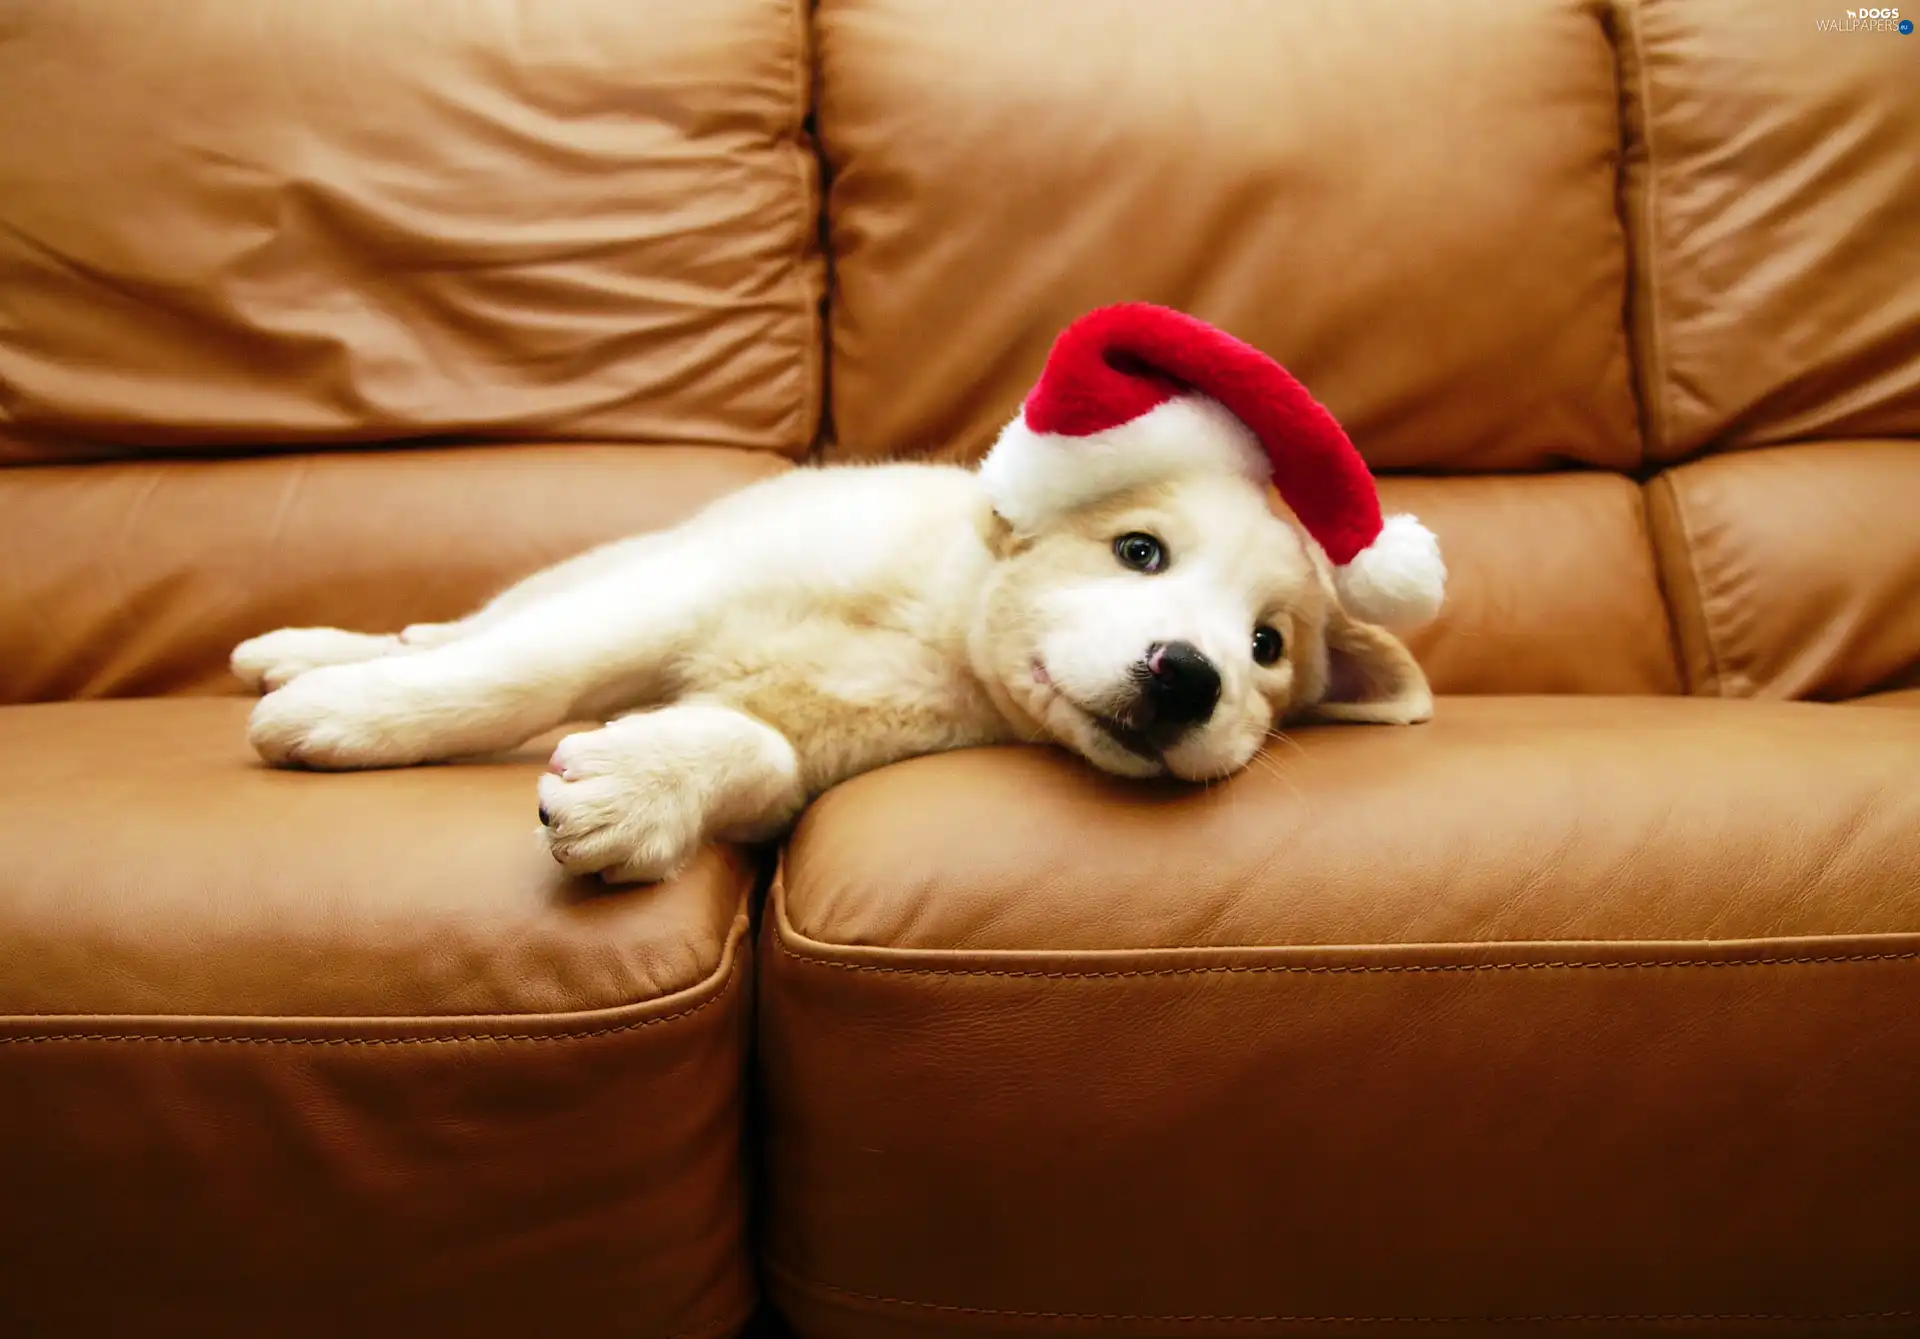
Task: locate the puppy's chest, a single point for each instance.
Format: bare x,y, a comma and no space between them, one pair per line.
853,686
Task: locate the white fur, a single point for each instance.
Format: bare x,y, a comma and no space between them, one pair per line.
277,659
636,796
821,624
1034,476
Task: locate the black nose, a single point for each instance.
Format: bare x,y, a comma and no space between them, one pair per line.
1182,685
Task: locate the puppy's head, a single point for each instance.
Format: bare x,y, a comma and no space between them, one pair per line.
1166,626
1150,609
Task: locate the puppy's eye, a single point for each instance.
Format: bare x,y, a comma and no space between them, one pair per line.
1267,645
1142,552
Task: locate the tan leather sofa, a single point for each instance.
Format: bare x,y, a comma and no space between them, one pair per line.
1592,1006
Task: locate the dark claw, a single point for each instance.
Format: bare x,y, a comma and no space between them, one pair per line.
545,820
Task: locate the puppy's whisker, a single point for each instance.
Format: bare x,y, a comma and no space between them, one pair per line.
1278,773
1282,737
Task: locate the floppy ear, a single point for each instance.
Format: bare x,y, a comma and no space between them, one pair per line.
1372,679
997,532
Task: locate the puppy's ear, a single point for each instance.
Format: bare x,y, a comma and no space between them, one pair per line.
1372,679
1002,540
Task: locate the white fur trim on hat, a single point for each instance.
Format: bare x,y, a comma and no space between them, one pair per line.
1398,581
1032,476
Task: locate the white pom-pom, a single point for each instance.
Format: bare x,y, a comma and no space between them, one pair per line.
1399,581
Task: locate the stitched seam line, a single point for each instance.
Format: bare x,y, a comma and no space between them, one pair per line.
1203,1318
406,1039
727,1325
1341,969
1200,1318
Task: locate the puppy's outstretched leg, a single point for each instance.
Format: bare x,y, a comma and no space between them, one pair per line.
635,800
580,652
275,659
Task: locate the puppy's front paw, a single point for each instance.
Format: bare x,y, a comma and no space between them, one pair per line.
609,807
335,718
276,659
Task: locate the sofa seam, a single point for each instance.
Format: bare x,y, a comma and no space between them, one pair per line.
809,192
1338,969
1690,555
1610,14
725,987
1669,606
1645,236
1674,584
1201,1318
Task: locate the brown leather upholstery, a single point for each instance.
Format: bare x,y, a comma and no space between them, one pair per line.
138,578
1353,835
1770,170
1588,1007
1794,572
1903,697
1553,1011
1582,613
1293,172
264,1035
223,226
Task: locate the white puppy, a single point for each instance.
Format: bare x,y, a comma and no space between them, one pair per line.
1161,619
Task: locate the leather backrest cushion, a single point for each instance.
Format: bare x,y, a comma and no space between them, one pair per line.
1552,585
138,578
234,225
1794,572
1412,203
1774,188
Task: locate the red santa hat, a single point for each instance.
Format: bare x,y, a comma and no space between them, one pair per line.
1135,393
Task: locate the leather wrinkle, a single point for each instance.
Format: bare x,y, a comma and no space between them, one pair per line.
375,194
1741,200
1782,612
1748,427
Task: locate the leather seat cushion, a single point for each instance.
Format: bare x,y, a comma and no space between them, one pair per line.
264,1030
1900,697
1553,1008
